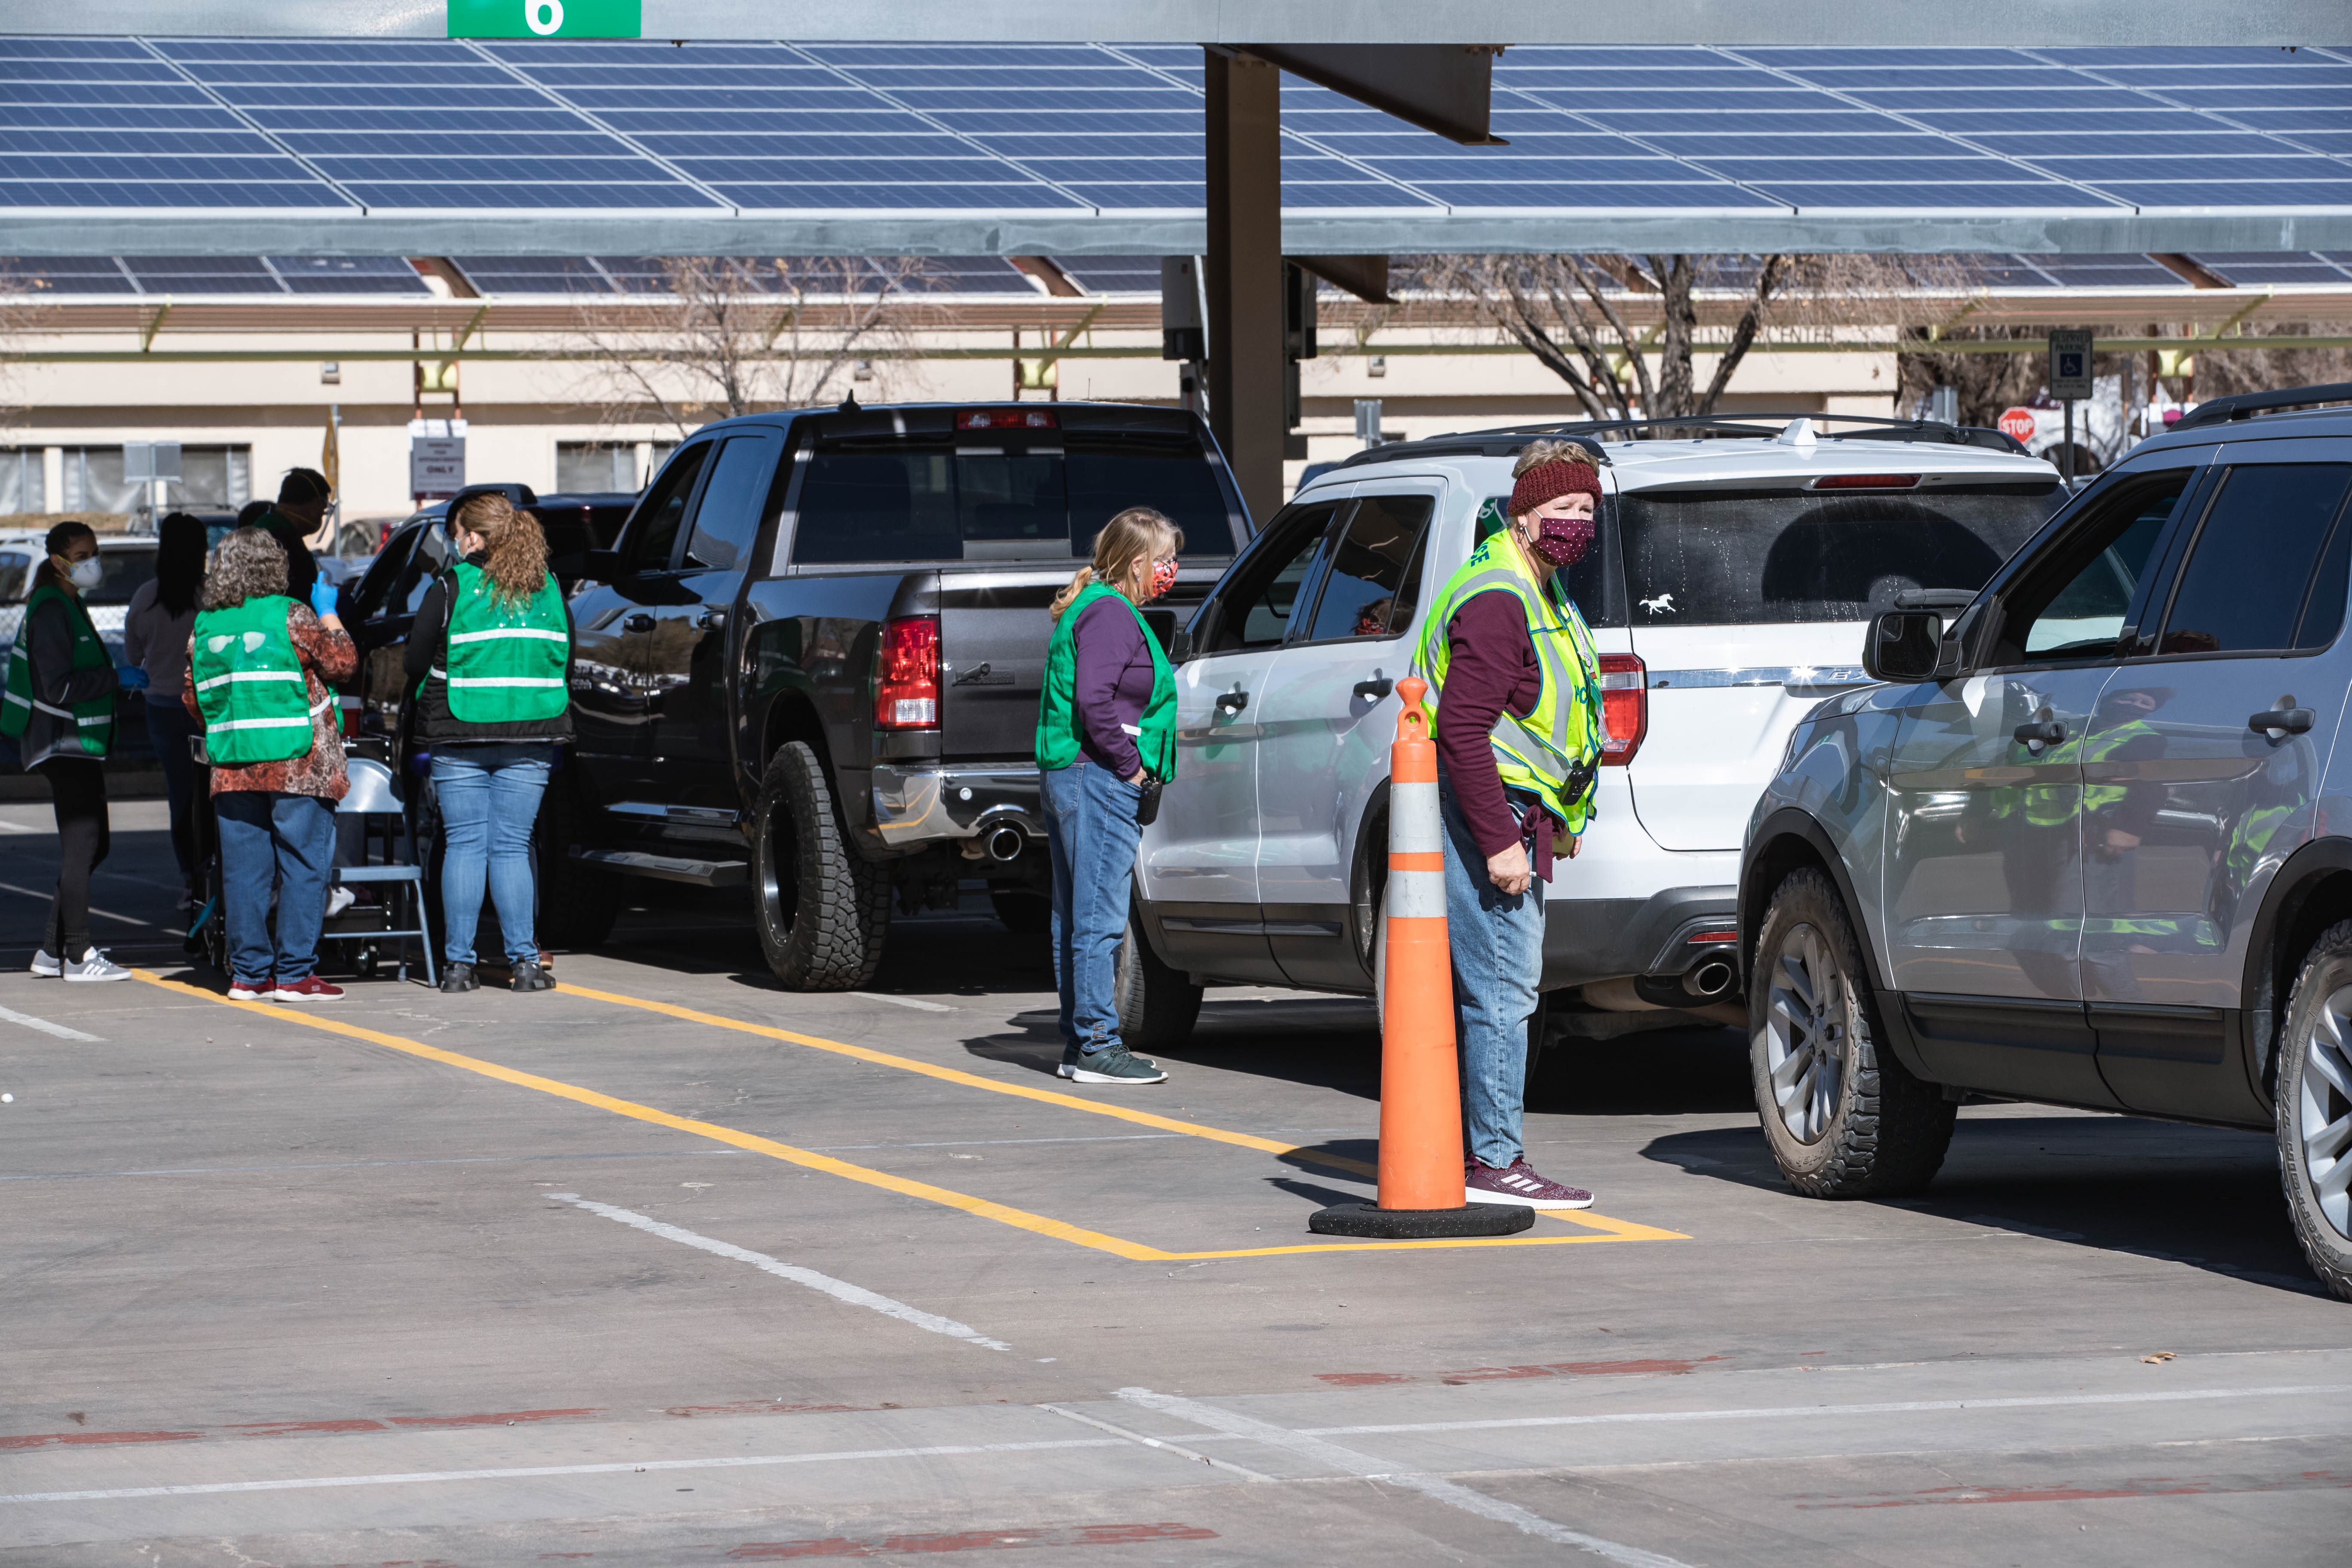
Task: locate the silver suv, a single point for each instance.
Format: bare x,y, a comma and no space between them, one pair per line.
2088,843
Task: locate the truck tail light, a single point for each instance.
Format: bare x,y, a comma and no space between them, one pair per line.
1008,419
1867,482
1624,706
906,675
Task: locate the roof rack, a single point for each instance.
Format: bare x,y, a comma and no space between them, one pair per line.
1506,440
2245,404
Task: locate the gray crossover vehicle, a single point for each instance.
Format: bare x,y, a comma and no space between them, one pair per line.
2086,841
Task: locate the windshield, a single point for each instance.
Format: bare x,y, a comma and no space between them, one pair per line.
1719,557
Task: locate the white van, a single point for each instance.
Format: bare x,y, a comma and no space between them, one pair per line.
1736,562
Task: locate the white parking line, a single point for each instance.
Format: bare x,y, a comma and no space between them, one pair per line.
417,1477
59,1030
903,1002
7,827
109,914
839,1289
1347,1462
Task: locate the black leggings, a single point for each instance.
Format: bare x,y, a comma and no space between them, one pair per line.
77,786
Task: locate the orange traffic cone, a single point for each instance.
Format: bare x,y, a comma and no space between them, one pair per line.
1421,1167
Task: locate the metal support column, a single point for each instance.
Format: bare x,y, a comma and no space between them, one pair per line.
1244,274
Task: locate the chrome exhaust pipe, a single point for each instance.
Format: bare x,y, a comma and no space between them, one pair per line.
1711,979
1004,845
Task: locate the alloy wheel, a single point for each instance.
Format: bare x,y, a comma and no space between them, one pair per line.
2323,1110
1805,1033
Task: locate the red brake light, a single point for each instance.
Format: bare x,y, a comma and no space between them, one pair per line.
1867,482
1008,419
906,675
1624,706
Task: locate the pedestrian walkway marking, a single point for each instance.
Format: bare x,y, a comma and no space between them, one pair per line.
1604,1229
59,1030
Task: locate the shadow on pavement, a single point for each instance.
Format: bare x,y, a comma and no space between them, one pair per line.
2205,1196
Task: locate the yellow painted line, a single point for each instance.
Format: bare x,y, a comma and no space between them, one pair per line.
1020,1219
973,1080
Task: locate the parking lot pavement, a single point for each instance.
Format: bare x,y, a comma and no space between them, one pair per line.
671,1266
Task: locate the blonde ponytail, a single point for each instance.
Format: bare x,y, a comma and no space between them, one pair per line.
1135,531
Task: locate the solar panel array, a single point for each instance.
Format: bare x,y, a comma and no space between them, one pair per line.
610,128
181,275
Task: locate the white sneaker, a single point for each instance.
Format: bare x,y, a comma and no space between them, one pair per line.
96,965
338,899
47,965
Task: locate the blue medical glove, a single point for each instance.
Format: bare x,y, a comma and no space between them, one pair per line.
130,677
322,597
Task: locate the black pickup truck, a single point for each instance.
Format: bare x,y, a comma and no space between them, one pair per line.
810,666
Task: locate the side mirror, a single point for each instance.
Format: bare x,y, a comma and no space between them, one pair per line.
1903,646
604,565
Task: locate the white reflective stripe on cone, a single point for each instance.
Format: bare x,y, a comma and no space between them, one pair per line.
1417,895
1414,824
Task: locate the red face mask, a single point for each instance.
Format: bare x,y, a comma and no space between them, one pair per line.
1163,577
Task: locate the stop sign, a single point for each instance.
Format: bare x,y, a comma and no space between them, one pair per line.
2017,424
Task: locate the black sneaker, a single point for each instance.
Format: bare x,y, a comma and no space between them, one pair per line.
1117,1064
530,976
458,977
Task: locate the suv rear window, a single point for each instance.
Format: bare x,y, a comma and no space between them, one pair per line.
1752,557
1000,495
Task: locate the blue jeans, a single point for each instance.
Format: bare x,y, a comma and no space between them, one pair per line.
170,728
282,841
1091,833
489,798
1498,945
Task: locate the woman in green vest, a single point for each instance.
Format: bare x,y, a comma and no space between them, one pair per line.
60,711
1106,741
491,649
262,667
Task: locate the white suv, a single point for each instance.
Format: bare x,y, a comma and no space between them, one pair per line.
1737,564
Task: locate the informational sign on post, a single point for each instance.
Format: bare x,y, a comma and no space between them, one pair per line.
436,466
2070,364
546,18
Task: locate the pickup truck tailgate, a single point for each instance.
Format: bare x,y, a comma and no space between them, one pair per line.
993,632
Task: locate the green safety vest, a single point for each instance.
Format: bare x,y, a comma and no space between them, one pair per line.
1059,725
249,684
93,720
2099,796
509,658
1564,731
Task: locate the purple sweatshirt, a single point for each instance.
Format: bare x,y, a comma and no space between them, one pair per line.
1490,665
1113,686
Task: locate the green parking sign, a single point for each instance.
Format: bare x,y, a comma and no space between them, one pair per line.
546,18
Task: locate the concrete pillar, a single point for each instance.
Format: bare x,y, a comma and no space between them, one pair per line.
53,479
1244,274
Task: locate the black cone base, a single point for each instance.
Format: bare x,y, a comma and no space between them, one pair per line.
1420,1225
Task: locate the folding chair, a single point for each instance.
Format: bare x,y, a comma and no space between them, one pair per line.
375,793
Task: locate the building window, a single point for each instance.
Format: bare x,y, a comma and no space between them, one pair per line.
214,478
20,480
606,466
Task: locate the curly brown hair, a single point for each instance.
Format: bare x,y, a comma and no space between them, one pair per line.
516,545
248,564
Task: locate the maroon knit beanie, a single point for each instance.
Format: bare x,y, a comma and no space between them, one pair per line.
1549,482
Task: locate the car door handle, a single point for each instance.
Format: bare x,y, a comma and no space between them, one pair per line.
1233,701
2293,720
638,623
2048,732
713,619
1375,689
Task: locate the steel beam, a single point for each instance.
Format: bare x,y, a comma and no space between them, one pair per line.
1448,88
1243,258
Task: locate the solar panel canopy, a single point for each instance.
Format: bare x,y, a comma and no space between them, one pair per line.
285,147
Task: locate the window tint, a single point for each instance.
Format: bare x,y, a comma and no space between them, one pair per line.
368,599
1111,472
432,555
655,537
125,571
1719,557
734,505
2072,605
1597,582
1367,583
1253,606
2250,571
15,573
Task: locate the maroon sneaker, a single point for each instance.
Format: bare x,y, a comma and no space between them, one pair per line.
310,988
251,990
1520,1184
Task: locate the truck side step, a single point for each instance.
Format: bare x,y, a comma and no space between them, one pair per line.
669,868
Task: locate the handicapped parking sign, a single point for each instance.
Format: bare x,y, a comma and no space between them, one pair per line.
2069,362
546,18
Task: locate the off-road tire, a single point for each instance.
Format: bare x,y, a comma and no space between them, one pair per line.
1883,1132
822,911
577,903
1157,1006
2310,1023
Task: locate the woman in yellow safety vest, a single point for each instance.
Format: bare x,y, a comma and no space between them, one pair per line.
491,651
261,671
1514,678
60,711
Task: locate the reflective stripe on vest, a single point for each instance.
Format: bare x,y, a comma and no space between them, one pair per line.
1562,731
507,658
249,684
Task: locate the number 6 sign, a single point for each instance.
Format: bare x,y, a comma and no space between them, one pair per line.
546,18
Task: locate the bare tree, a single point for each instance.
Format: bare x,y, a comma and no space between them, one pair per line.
735,335
1986,381
1599,321
2218,370
23,314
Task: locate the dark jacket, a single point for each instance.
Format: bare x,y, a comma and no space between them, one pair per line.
427,650
301,566
49,633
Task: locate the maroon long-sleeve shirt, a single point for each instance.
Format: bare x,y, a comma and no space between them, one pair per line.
1490,666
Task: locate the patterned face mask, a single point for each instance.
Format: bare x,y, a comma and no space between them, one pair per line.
1562,541
1163,576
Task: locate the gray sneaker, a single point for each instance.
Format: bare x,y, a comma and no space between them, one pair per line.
1069,1049
48,966
1116,1064
96,965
